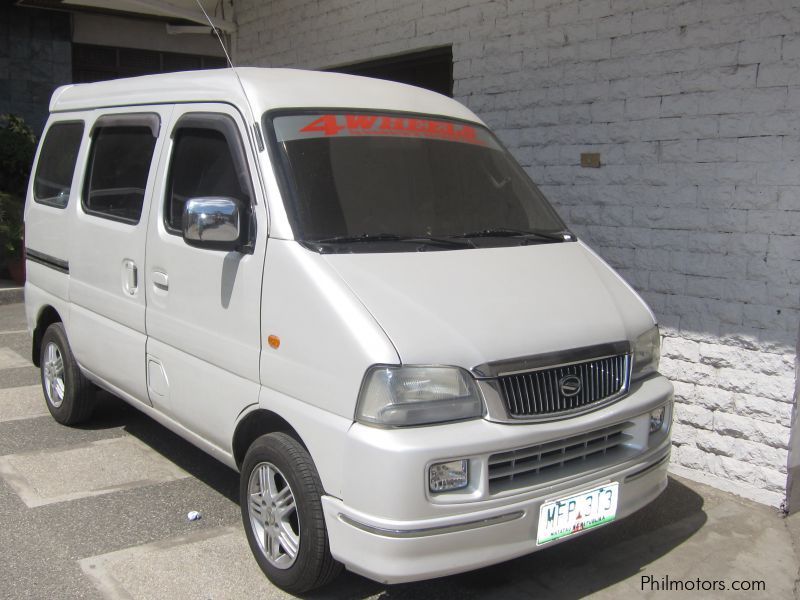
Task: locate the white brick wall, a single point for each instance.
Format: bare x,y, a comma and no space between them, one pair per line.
694,106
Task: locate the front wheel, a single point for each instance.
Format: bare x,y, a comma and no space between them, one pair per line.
280,500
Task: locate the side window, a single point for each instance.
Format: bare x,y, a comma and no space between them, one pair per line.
207,160
53,179
119,163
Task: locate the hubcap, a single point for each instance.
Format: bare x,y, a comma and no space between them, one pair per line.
273,515
53,374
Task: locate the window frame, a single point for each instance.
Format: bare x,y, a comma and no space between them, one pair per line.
53,125
228,127
149,120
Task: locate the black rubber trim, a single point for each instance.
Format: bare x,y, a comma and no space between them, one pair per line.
59,265
549,360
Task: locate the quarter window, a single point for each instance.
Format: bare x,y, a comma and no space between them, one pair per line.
207,161
118,169
53,180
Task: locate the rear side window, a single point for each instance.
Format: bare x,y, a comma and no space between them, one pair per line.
119,165
53,179
207,160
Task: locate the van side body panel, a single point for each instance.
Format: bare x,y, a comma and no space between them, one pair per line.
107,259
323,433
203,315
327,337
48,233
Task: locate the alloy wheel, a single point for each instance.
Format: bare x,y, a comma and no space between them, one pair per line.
53,370
273,515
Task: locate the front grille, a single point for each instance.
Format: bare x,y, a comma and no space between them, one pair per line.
542,392
547,462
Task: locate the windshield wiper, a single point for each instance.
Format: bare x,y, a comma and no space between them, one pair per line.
392,237
440,241
520,233
364,237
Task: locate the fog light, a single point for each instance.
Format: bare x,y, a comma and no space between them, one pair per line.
657,419
446,476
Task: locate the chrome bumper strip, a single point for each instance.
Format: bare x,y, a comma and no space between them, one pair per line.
648,468
428,531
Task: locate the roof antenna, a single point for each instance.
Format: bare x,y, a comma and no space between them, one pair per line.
256,128
219,37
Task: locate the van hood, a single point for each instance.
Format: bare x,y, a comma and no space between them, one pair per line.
469,307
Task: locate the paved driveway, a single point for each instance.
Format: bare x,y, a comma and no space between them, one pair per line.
99,511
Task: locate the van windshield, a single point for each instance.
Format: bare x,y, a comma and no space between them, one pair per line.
372,182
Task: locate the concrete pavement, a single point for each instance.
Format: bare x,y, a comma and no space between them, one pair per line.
99,511
10,292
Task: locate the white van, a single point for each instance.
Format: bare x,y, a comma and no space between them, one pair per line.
350,292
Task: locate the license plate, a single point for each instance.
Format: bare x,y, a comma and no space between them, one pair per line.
573,514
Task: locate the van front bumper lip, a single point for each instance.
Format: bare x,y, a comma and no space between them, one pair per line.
428,531
384,551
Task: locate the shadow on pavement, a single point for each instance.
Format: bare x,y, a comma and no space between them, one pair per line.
573,569
111,412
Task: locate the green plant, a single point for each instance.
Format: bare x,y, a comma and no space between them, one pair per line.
17,148
11,226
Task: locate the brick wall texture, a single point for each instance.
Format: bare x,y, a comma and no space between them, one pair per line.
694,107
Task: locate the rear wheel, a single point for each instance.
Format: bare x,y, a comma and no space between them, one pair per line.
69,395
280,500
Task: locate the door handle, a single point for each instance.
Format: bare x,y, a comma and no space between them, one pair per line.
131,277
160,280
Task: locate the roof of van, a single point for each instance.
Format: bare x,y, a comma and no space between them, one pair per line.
267,89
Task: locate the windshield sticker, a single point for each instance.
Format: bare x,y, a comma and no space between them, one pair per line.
354,125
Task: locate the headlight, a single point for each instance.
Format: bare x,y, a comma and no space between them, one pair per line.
400,396
646,353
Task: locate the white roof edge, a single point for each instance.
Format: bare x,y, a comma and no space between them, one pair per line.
267,89
57,94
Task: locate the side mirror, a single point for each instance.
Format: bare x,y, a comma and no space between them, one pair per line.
213,223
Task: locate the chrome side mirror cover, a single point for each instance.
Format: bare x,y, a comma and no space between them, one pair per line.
212,222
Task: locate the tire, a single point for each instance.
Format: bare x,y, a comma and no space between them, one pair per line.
70,397
285,527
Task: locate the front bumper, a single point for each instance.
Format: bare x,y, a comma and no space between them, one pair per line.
391,552
388,527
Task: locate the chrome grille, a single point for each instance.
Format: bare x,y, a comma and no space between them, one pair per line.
540,392
562,458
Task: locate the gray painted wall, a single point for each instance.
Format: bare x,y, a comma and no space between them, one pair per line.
35,58
108,30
